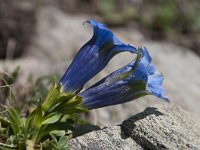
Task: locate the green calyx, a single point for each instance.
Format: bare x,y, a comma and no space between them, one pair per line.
59,101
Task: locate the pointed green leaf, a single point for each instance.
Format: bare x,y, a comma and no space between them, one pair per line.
53,94
63,143
38,117
29,119
46,129
51,118
14,118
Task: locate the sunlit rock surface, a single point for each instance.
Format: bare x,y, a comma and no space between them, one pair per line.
156,128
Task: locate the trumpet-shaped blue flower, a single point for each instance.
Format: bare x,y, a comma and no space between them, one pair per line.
139,78
93,57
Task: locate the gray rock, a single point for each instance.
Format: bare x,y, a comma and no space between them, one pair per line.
163,127
112,138
158,128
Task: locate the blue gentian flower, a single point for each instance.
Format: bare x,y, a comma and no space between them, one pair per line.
93,57
139,78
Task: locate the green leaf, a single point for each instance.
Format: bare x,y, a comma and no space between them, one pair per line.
52,118
14,118
53,94
63,143
38,117
58,133
46,129
29,120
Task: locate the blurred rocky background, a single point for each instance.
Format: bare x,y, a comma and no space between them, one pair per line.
43,36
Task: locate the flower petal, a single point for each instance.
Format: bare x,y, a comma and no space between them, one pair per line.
155,86
93,57
139,78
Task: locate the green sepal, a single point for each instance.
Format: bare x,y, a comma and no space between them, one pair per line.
76,109
63,98
139,88
74,101
55,97
63,102
72,106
